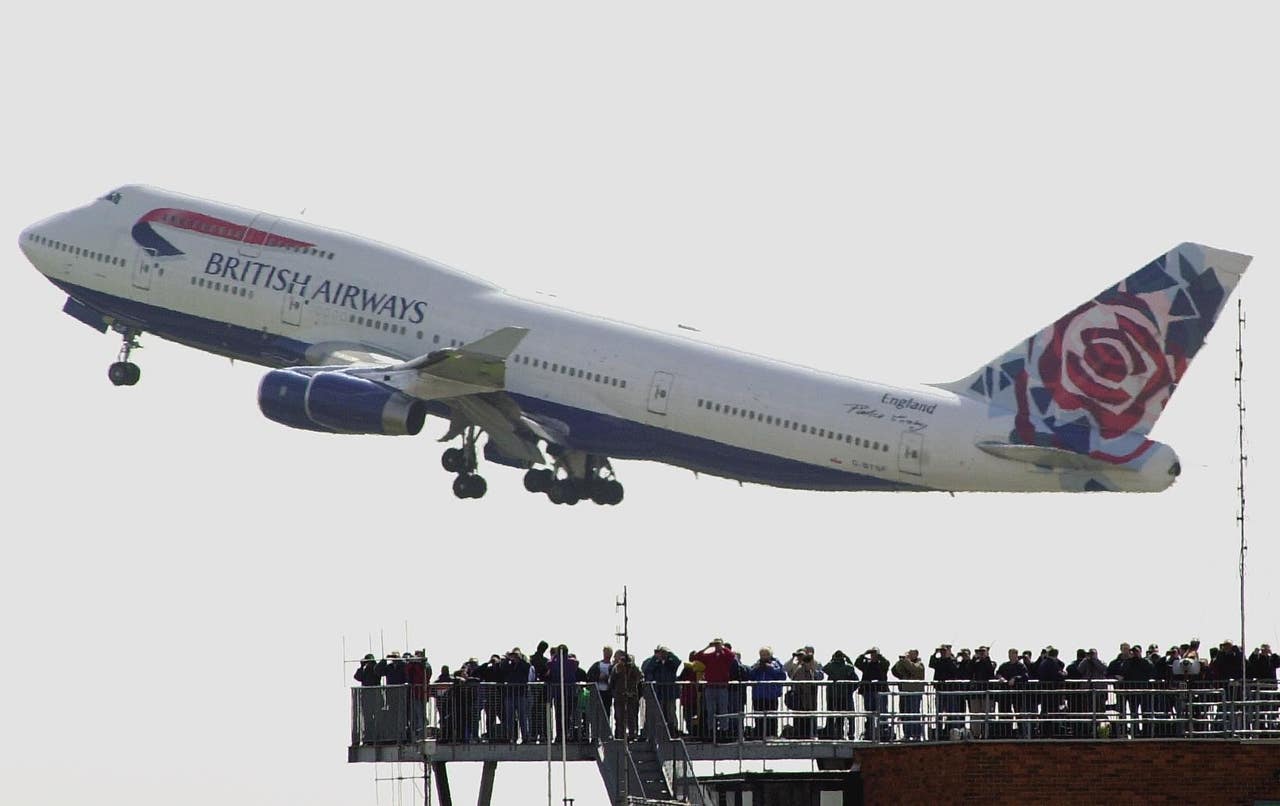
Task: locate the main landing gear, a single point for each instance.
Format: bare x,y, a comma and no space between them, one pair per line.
587,477
462,461
124,372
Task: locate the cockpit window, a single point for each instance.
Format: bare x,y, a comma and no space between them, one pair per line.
113,197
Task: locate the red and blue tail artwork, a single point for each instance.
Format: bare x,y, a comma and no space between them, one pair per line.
1095,381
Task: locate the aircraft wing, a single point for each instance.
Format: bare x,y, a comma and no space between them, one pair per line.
470,379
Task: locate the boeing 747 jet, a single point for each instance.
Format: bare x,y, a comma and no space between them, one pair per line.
363,338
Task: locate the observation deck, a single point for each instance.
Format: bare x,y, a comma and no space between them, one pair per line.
646,745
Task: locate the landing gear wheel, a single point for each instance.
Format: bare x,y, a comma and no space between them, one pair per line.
607,492
470,486
123,373
454,460
563,491
538,480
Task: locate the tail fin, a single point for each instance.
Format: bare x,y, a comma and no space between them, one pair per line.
1096,380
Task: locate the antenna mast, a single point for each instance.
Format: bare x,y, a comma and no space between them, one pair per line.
624,633
1240,520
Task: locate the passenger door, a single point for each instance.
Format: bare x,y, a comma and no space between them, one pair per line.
143,266
291,310
660,391
910,451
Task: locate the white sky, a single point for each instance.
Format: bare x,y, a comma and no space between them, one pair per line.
893,192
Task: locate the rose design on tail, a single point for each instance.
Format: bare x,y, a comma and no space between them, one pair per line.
1097,379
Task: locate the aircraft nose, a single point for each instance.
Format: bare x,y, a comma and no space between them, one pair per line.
27,240
37,239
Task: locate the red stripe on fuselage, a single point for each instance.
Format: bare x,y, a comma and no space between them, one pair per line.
218,228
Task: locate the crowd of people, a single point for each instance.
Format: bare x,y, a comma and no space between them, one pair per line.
705,695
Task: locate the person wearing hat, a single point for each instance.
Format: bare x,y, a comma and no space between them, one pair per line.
909,670
367,672
718,663
660,670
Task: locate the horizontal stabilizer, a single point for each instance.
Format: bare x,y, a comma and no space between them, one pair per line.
1042,456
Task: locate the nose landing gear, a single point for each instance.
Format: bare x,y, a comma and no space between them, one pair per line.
124,372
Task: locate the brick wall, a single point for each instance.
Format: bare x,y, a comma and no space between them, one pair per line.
994,772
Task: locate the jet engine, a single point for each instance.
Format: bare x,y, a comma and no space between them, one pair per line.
335,402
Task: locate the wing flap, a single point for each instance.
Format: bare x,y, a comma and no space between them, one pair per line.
489,414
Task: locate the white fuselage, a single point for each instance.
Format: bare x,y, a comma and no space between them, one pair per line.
619,390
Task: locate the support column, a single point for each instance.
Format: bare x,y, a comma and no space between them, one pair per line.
442,783
486,782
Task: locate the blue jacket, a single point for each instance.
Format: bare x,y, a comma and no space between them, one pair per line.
662,672
767,671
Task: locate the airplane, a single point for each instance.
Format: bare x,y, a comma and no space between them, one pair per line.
364,338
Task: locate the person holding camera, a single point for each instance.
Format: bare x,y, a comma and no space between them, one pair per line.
1263,664
910,671
804,697
718,662
982,671
766,691
660,670
875,679
515,673
842,674
946,670
624,682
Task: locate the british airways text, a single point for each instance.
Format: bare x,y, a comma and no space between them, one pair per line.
347,295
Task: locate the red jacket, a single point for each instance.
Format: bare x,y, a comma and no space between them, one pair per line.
719,663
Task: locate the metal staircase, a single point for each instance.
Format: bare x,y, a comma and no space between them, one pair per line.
638,771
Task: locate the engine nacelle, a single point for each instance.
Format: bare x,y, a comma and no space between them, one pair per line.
334,402
354,405
282,398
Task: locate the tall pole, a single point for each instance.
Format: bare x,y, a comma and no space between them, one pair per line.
624,634
1244,546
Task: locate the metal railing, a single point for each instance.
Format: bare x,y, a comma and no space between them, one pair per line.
470,713
659,723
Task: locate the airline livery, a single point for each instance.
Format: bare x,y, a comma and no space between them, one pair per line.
363,338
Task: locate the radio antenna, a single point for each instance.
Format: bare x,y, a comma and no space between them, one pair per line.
1243,459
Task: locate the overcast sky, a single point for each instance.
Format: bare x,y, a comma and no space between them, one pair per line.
893,191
